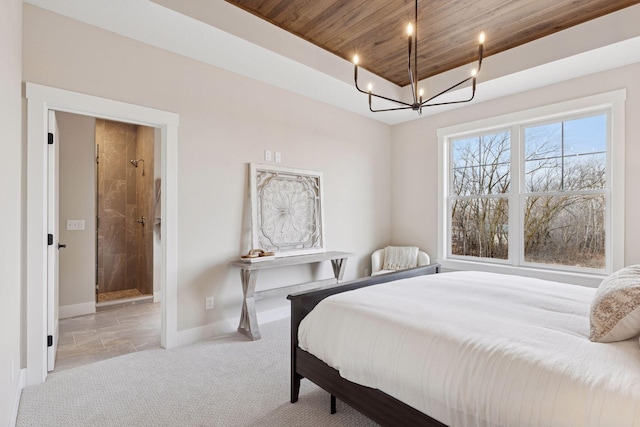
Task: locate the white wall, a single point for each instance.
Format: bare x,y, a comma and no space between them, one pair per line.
226,121
77,202
11,206
415,162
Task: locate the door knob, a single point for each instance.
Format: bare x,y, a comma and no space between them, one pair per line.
61,246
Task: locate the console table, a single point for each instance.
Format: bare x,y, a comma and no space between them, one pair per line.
249,274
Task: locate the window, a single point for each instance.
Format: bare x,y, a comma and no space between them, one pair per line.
479,202
565,192
532,193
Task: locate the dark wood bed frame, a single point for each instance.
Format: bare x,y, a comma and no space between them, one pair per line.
373,403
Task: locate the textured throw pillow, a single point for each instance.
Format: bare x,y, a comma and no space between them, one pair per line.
400,257
615,309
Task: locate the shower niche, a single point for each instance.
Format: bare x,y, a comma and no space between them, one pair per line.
125,205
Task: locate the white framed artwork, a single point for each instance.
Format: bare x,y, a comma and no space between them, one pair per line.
286,210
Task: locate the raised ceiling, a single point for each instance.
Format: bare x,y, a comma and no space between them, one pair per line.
447,30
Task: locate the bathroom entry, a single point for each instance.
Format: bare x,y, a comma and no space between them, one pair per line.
125,212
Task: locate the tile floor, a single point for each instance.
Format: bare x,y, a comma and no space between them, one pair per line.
127,293
107,333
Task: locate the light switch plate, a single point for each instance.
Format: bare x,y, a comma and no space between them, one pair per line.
75,224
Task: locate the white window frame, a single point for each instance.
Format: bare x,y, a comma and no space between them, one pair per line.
614,103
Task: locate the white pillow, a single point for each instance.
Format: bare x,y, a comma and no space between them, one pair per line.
400,257
615,309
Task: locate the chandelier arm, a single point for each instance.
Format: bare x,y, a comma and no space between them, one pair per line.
463,101
473,90
360,90
388,109
407,105
450,102
355,80
449,89
473,94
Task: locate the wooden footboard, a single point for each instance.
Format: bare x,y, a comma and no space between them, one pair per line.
373,403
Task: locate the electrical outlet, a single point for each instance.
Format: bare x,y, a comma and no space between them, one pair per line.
267,155
208,305
278,157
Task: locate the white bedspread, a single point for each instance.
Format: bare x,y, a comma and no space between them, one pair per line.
480,349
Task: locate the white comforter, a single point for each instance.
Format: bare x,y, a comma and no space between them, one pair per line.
480,349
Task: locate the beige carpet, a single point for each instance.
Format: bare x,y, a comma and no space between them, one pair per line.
224,382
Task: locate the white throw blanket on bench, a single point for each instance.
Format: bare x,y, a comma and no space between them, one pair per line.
400,257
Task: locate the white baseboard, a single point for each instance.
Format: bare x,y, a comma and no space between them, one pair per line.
22,382
274,314
222,327
228,326
73,310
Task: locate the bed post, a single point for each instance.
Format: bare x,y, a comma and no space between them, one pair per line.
295,377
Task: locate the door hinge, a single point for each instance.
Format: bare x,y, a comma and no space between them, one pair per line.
49,340
50,138
49,239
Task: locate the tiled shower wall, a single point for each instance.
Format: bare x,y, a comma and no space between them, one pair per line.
125,246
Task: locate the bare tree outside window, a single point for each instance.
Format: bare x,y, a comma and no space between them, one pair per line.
563,195
565,181
480,182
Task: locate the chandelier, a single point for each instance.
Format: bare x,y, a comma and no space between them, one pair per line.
418,102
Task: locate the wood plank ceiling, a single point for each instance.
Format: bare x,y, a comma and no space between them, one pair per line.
447,29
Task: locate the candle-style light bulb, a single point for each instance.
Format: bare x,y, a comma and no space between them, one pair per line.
481,38
369,87
355,59
421,92
409,29
474,72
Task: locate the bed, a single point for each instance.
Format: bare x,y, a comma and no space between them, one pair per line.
463,349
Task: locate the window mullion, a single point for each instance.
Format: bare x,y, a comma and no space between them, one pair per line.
515,201
449,193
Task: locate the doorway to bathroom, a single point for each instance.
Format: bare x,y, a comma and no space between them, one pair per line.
110,234
127,212
40,289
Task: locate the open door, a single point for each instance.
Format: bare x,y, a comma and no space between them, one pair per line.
53,227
